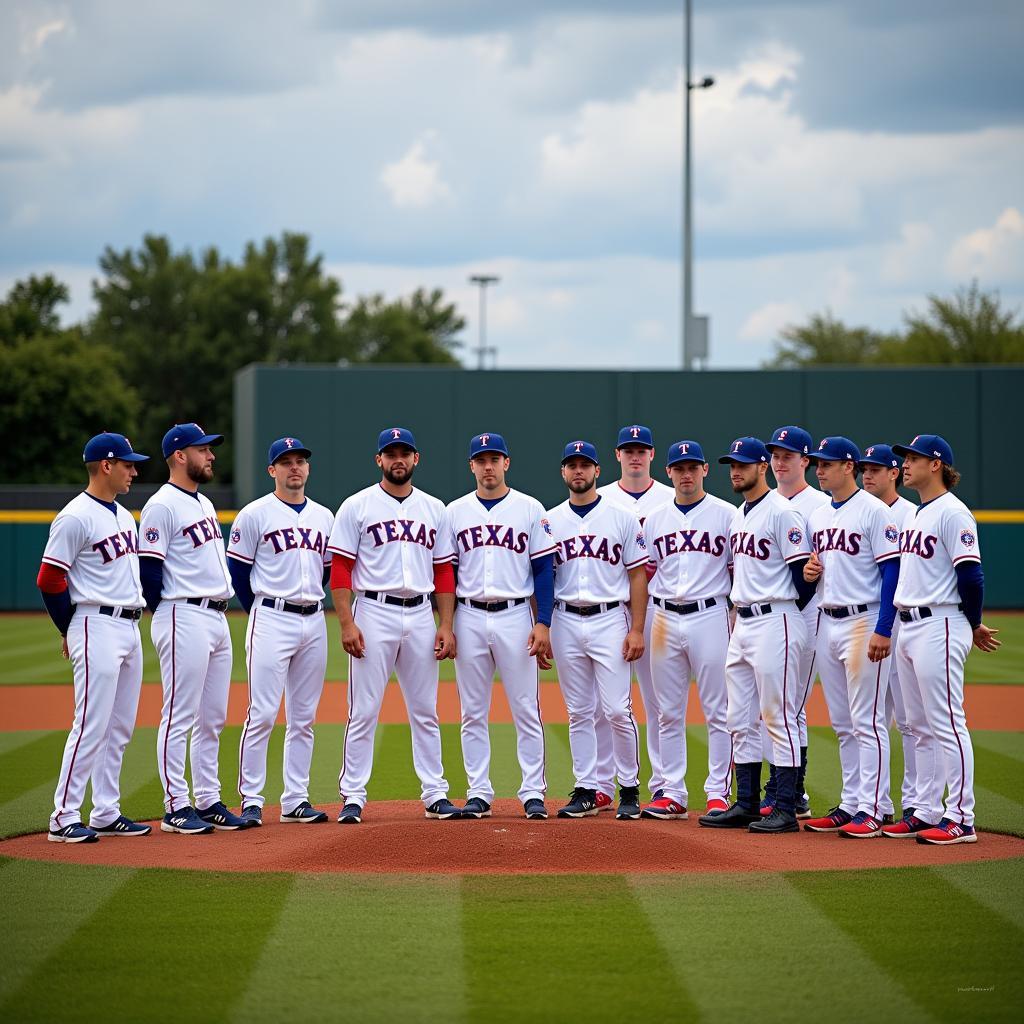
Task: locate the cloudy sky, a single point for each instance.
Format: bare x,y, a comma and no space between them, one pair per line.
852,154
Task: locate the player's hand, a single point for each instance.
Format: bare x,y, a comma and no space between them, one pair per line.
985,638
352,640
65,653
879,647
543,663
633,645
539,643
444,643
813,568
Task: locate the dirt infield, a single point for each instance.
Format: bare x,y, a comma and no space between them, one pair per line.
395,837
52,706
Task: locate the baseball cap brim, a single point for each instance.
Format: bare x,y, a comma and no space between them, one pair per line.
726,459
580,455
293,451
905,449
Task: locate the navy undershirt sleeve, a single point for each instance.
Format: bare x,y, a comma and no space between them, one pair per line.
544,586
240,573
60,609
890,570
970,583
805,591
151,570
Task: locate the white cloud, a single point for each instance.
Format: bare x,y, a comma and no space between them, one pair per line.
913,257
992,254
765,322
414,180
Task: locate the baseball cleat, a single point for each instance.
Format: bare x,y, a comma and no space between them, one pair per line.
657,794
252,816
221,818
716,806
831,822
351,814
475,807
862,826
444,810
304,814
767,806
629,803
777,822
603,801
535,809
948,833
735,816
906,828
667,809
74,833
582,804
122,826
186,823
803,807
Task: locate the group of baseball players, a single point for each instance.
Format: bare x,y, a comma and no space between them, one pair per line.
878,596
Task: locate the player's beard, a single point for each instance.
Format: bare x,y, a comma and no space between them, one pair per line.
581,486
199,473
402,476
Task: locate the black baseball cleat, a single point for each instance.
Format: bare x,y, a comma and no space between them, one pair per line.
736,817
476,807
582,804
777,822
351,814
629,803
444,810
535,809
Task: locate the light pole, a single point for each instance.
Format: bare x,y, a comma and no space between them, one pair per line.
483,280
689,346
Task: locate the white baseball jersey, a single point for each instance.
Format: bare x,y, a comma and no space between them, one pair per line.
595,552
286,549
941,536
655,496
494,546
690,549
98,547
851,541
396,543
903,510
180,528
764,541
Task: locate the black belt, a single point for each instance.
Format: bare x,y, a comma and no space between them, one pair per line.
493,606
845,613
589,609
211,603
748,612
906,615
125,613
295,609
684,609
402,602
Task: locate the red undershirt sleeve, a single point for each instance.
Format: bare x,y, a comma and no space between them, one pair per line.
444,578
341,572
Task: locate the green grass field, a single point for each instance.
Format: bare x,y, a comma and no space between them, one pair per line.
32,652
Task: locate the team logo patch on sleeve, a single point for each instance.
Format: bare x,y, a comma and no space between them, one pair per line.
152,534
795,536
547,527
891,533
236,535
967,538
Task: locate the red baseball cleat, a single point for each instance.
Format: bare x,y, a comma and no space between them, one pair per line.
604,801
716,806
906,828
832,822
665,809
947,832
863,826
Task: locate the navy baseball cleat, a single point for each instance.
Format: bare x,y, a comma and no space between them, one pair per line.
304,814
74,833
535,809
629,803
185,822
582,804
443,809
122,826
736,816
351,814
475,807
777,822
252,816
221,818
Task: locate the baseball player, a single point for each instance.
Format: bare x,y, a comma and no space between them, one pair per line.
789,448
939,596
89,579
855,563
881,472
393,549
639,494
505,556
688,544
278,559
770,548
597,628
187,586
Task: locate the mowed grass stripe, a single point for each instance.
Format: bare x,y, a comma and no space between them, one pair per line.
27,766
156,936
779,952
15,740
1010,744
986,883
361,948
1003,775
983,951
537,948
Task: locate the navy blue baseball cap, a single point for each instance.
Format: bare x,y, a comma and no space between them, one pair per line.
635,434
283,445
836,449
584,449
931,446
187,435
111,446
793,439
685,451
488,443
396,435
746,449
880,455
